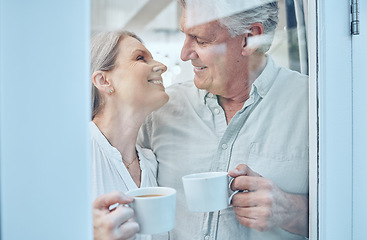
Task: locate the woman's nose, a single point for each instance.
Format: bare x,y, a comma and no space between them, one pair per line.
160,67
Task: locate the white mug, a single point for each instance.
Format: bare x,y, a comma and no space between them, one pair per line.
206,192
154,208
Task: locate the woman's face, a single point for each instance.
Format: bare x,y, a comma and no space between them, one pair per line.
136,77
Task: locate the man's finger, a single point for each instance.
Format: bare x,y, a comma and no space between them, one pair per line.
244,199
106,200
250,183
247,222
253,212
243,170
253,223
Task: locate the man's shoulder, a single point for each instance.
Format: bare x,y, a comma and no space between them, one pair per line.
291,80
293,74
182,97
183,90
181,86
284,76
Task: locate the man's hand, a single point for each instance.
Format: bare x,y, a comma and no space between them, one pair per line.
264,205
116,224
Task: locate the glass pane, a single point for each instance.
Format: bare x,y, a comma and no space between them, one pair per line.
236,75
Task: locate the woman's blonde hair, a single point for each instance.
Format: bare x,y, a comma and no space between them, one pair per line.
104,51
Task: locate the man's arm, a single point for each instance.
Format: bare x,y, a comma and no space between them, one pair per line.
265,206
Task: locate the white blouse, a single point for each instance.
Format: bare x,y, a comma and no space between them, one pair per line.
109,172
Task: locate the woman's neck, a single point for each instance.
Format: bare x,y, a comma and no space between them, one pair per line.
121,128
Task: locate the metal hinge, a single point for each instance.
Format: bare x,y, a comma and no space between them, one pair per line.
355,17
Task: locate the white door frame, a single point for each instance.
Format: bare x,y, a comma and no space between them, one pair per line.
335,120
338,126
359,52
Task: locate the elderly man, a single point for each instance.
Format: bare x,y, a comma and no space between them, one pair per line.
241,114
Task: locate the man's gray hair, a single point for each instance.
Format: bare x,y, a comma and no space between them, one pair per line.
238,15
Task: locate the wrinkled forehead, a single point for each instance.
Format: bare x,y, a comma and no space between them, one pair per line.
197,12
129,45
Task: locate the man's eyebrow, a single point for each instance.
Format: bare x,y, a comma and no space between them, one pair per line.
192,35
189,34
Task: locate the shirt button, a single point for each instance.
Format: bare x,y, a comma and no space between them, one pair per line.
206,237
224,146
210,95
216,110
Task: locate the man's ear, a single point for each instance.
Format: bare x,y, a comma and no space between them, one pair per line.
101,82
252,40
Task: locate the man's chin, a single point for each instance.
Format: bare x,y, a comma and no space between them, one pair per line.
200,84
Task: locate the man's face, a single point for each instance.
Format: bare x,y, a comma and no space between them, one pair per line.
214,55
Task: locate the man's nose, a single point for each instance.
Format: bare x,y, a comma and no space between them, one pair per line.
188,52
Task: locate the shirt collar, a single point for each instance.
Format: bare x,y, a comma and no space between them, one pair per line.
264,82
205,94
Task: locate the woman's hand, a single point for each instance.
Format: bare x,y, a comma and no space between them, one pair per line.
115,224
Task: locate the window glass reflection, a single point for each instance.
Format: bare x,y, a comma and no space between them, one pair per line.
236,76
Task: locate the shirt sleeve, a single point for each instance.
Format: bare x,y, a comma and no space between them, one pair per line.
149,166
145,133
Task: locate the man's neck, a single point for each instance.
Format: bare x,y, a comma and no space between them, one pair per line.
232,104
230,107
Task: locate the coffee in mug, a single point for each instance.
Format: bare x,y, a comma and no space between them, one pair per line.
151,195
154,209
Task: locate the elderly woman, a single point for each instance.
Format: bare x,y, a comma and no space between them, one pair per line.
126,87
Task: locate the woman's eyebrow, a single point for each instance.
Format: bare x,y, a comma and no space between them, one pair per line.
137,51
142,52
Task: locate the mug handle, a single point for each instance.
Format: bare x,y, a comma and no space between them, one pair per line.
235,192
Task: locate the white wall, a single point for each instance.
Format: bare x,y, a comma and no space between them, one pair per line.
44,97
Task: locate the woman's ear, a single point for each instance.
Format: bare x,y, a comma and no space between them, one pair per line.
101,82
252,41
